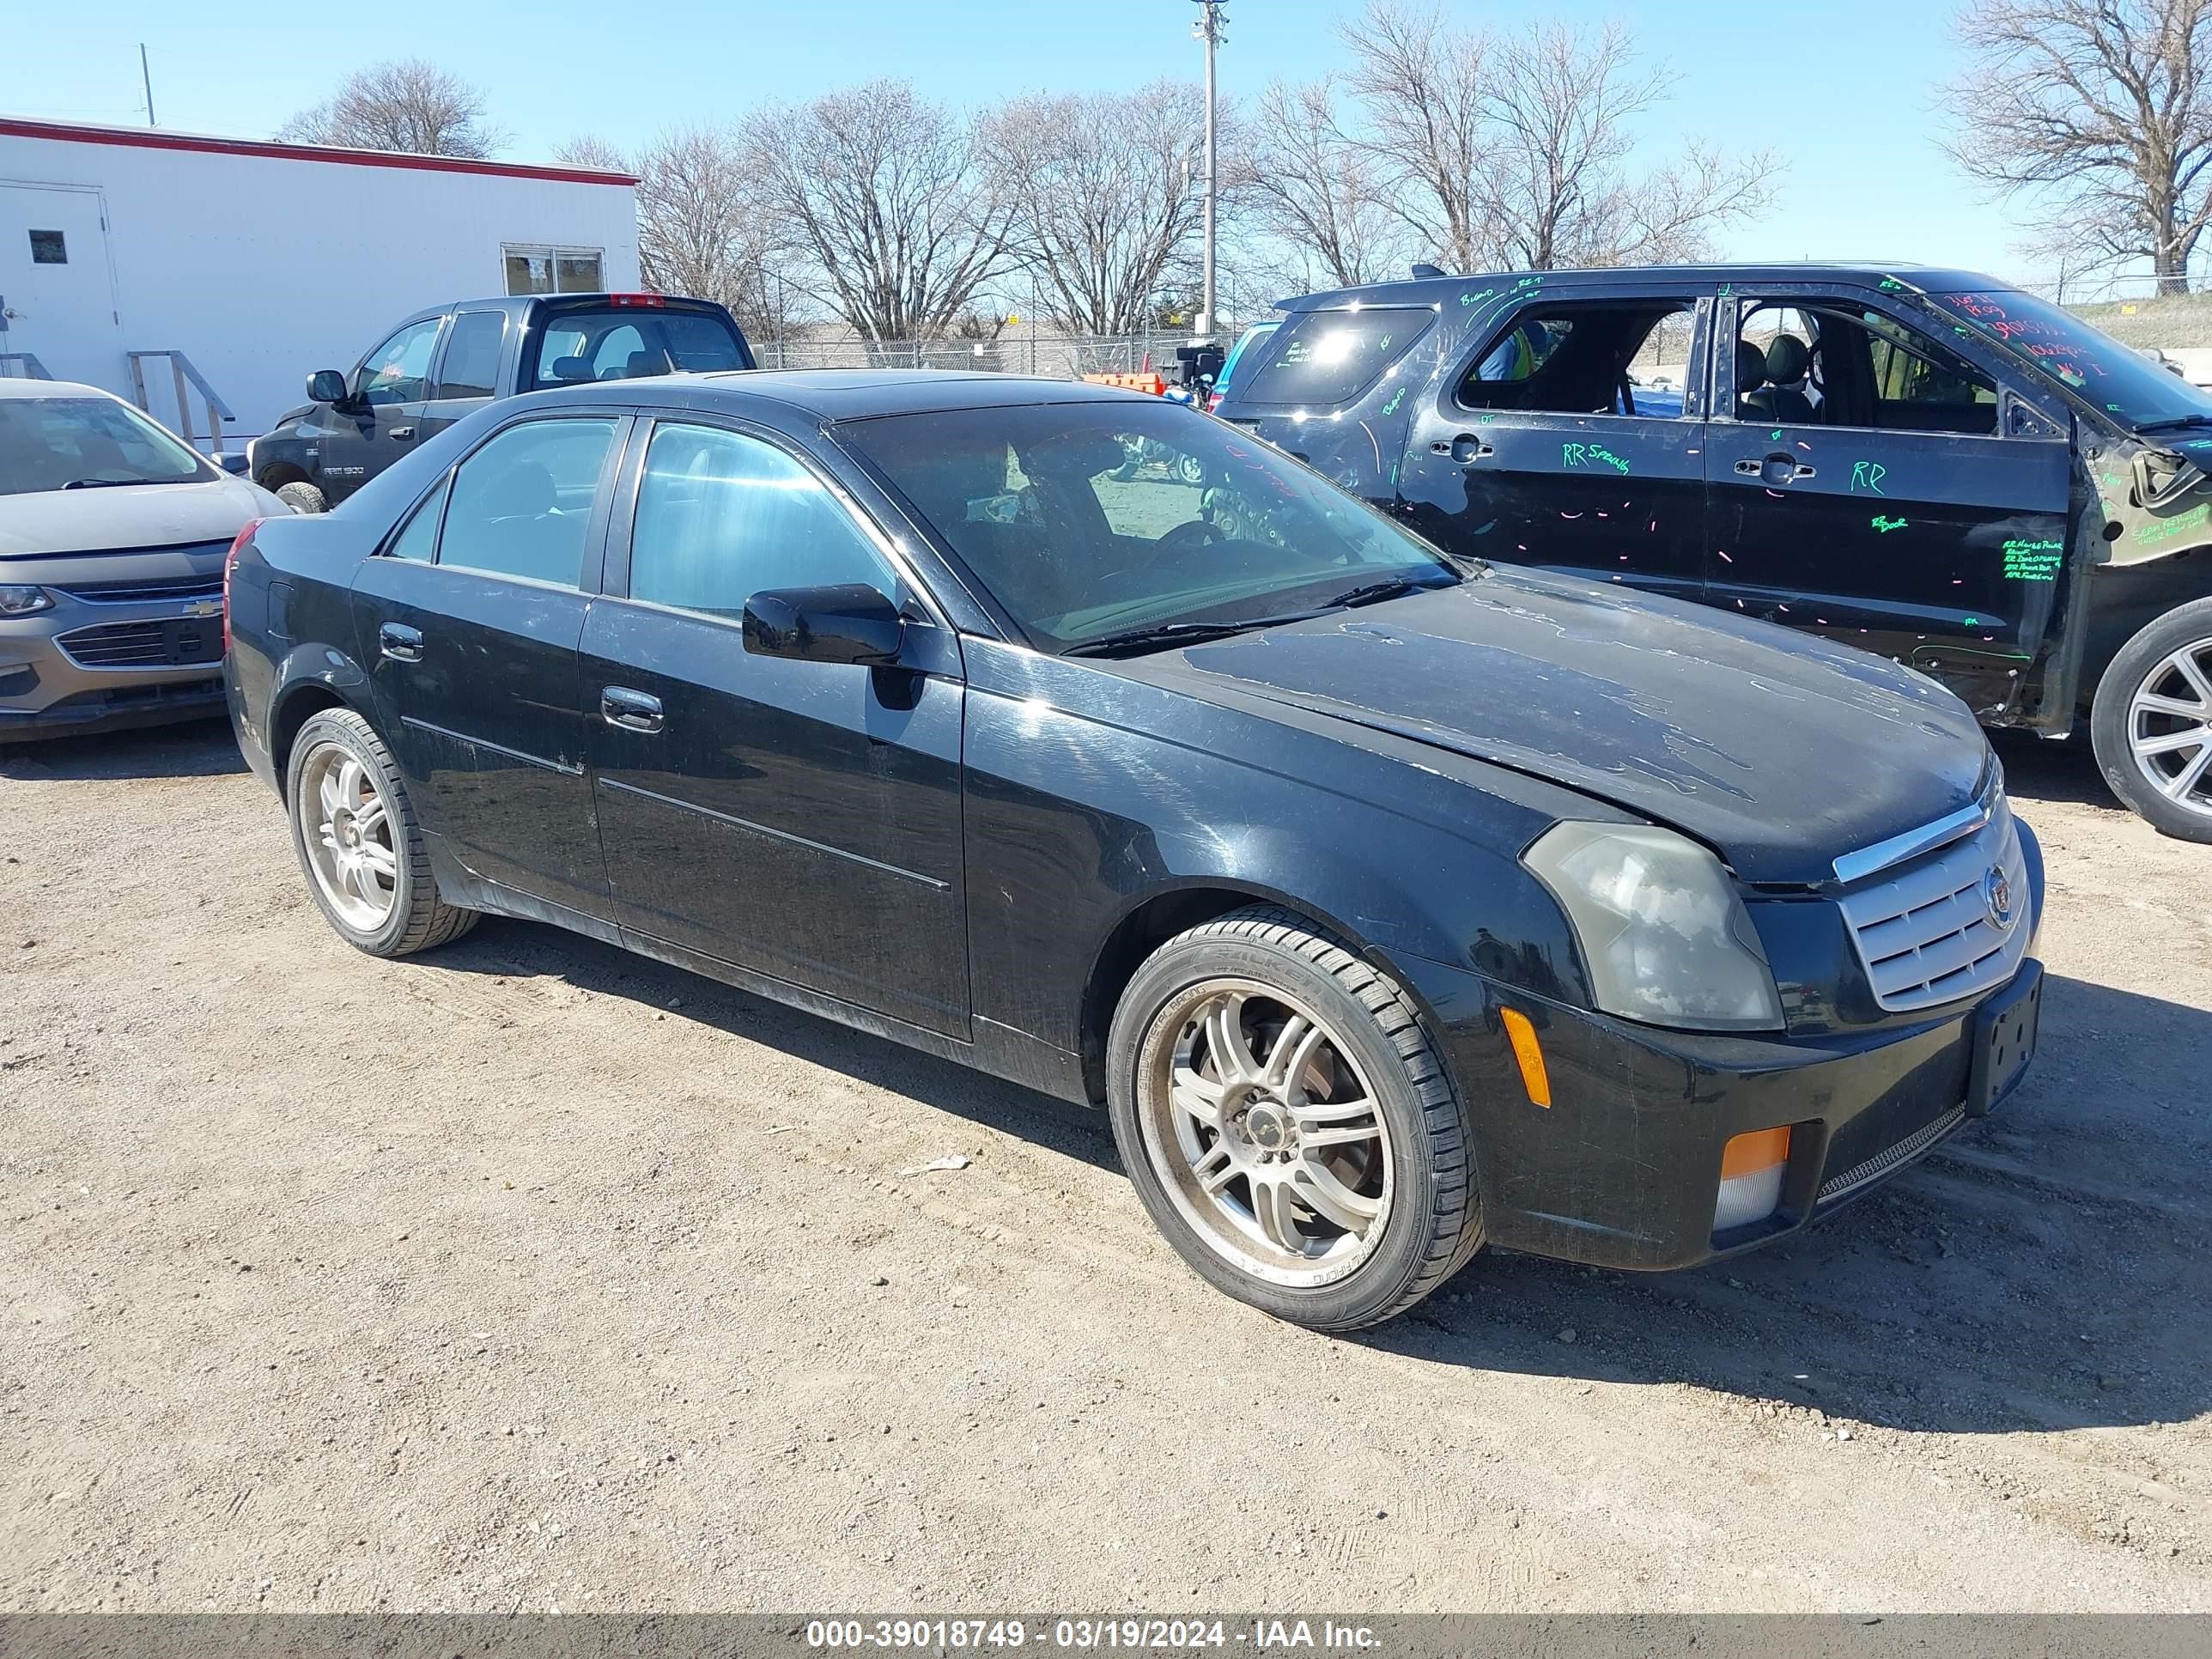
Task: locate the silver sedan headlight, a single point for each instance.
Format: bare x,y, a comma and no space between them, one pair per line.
22,601
1666,936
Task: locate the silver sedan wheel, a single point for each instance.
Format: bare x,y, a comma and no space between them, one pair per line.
2170,726
1264,1132
346,825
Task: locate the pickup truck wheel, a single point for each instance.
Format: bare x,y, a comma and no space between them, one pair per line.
359,843
2151,723
1288,1123
302,498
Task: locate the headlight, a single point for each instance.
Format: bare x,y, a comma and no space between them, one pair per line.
22,601
1667,939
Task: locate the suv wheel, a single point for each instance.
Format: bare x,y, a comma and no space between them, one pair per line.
1288,1123
358,842
302,498
2151,723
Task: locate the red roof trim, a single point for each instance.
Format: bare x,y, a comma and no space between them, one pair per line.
154,138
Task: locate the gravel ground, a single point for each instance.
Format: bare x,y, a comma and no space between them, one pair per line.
529,1275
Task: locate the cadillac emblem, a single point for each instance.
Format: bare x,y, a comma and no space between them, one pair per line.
1997,897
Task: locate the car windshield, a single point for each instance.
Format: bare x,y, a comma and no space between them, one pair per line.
1092,520
59,443
2116,378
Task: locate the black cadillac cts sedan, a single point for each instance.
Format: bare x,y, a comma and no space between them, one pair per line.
1391,904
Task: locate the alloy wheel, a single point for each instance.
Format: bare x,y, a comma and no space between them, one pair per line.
1265,1133
2170,726
346,827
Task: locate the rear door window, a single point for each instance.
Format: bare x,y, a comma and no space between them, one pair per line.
1330,357
470,368
620,343
1586,360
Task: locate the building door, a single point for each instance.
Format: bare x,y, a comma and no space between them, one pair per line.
57,289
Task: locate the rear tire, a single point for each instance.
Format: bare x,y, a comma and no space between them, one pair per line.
302,497
1288,1123
2151,723
359,844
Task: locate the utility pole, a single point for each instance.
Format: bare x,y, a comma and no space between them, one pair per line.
1208,29
146,75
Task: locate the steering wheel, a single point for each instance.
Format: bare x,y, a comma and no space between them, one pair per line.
1191,533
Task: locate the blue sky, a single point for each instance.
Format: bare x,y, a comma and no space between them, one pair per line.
1846,93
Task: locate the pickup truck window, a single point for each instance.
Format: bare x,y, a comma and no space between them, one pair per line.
612,344
397,372
471,365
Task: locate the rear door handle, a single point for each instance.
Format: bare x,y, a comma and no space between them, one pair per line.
400,643
403,433
1778,468
632,711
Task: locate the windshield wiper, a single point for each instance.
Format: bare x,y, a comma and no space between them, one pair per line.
116,483
2176,421
1182,633
1391,587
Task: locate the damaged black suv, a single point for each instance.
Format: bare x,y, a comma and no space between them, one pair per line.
1929,465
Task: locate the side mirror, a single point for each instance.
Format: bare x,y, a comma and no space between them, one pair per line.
326,385
849,623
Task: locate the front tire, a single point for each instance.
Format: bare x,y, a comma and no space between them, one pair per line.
358,842
2151,723
1288,1123
302,497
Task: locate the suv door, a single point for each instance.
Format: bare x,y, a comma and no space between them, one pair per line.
470,372
382,415
801,819
1877,482
1567,436
468,617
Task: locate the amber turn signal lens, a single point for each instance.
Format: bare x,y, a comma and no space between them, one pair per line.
1762,1149
1522,1036
1751,1177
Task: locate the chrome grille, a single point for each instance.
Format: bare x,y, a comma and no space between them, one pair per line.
1924,930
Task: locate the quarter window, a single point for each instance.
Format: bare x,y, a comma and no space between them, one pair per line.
521,504
419,540
397,372
471,364
1329,357
721,517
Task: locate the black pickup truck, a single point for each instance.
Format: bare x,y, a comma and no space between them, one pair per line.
1929,465
447,362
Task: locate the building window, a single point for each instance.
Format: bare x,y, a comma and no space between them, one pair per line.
49,247
554,270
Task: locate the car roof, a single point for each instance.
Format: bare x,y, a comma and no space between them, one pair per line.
846,394
516,304
12,387
1430,290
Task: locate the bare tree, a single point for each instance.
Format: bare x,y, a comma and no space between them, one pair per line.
1315,196
885,199
1561,104
1101,188
700,227
2100,112
1423,85
1514,151
408,104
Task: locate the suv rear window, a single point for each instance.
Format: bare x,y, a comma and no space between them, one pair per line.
618,342
1329,357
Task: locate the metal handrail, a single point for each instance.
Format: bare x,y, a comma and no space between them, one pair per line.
183,369
33,368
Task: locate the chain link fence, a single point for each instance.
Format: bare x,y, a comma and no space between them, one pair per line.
1015,352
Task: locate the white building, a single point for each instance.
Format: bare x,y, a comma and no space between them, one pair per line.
262,262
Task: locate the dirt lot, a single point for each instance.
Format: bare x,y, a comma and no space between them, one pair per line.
530,1275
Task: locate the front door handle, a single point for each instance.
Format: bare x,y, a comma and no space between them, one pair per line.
632,711
400,643
1465,449
401,434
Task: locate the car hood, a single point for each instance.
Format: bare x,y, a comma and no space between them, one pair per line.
1778,750
50,521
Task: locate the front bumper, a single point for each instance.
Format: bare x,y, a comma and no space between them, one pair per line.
101,664
1623,1169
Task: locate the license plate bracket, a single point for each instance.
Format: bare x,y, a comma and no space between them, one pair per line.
2005,1031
